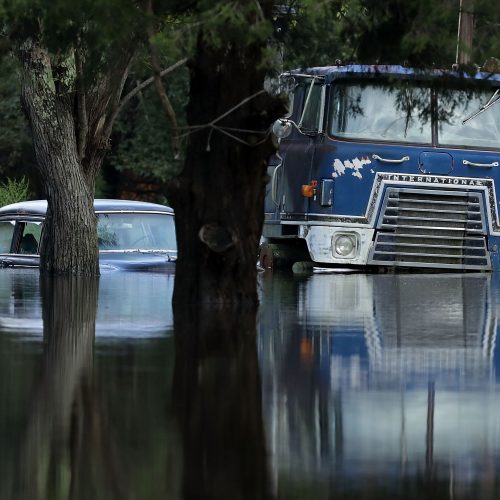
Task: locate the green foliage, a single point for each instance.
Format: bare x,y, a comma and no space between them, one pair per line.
311,33
420,32
13,191
141,145
14,137
486,40
60,25
141,142
237,22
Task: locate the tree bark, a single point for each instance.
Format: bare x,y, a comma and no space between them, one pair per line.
219,197
69,241
71,112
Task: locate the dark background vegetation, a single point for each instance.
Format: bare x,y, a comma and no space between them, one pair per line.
140,160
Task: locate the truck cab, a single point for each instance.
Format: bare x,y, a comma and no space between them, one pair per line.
388,166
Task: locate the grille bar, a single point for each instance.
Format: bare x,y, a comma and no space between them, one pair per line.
437,255
431,228
431,245
437,237
424,220
430,210
433,203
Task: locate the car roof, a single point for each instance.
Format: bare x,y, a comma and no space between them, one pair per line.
330,73
39,207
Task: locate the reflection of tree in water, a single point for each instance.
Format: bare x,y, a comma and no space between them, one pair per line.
66,450
217,389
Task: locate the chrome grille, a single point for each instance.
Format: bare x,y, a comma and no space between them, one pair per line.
427,228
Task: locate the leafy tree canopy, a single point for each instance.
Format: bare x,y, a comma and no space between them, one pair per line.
419,32
14,136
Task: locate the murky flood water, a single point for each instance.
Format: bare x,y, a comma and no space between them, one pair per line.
360,386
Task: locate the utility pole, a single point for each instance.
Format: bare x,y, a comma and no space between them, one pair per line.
465,32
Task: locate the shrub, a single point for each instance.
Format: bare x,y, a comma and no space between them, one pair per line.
14,190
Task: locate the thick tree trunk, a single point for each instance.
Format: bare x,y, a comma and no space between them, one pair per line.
69,242
71,110
219,197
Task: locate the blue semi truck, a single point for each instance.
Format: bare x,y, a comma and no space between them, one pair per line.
388,166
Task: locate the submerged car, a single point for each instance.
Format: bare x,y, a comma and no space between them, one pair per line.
132,235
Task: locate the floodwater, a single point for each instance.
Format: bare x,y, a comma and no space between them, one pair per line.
354,386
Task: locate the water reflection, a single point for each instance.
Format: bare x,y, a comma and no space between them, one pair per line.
217,391
82,419
130,416
131,305
382,385
52,445
356,386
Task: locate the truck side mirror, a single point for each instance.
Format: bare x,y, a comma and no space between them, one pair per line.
282,128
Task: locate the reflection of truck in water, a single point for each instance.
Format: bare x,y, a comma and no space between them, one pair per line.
375,381
388,166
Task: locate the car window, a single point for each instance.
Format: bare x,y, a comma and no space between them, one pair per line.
136,231
6,234
30,239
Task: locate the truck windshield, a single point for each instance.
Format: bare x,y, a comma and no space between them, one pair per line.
403,114
381,112
455,106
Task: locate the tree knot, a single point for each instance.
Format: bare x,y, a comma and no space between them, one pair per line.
218,238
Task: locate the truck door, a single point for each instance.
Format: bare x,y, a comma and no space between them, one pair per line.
290,169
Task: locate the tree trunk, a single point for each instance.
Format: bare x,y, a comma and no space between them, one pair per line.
219,197
71,110
465,32
69,242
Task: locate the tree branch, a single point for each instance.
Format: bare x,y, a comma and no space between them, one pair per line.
147,83
102,102
160,88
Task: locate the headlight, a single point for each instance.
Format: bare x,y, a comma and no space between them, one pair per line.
345,245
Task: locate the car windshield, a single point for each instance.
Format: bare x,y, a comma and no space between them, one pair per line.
136,231
402,113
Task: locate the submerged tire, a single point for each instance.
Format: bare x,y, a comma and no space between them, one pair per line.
302,267
283,255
